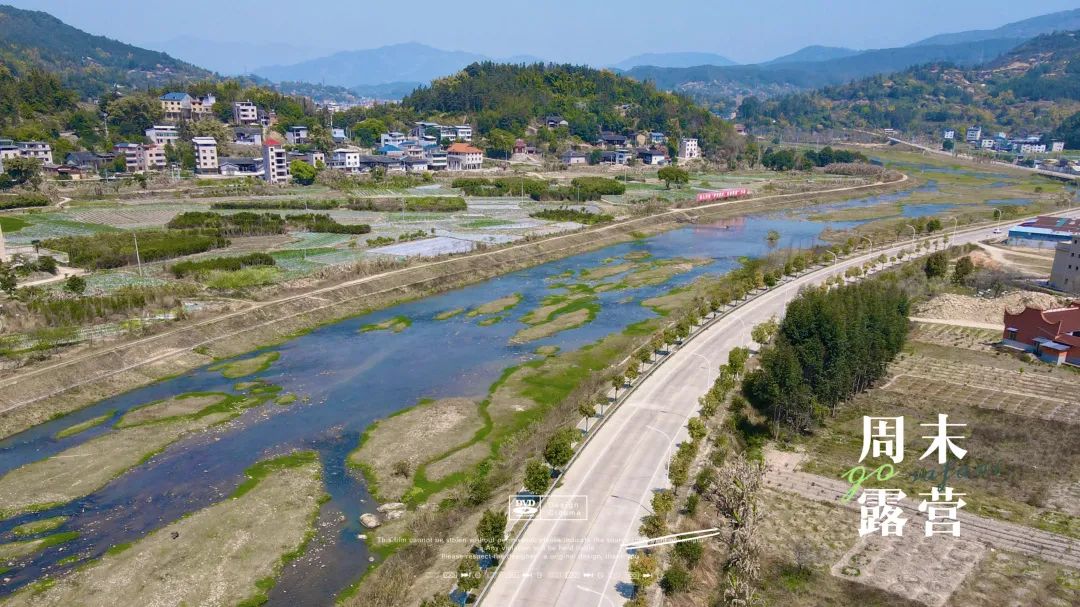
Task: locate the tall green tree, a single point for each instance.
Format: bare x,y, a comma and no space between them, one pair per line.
491,531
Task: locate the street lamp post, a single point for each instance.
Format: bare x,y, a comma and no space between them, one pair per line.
912,232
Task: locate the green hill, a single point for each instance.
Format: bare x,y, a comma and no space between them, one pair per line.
87,63
502,98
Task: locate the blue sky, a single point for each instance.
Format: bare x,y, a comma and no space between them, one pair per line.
582,31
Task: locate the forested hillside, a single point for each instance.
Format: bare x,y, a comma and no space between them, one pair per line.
1033,88
509,98
87,63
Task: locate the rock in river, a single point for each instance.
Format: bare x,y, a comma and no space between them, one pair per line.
369,520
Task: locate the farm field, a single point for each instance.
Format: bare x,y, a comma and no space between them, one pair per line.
1022,420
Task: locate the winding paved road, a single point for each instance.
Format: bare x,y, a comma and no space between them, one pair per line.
581,562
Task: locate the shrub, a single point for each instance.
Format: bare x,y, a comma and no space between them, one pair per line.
116,249
237,224
575,215
676,579
227,264
690,552
27,199
321,222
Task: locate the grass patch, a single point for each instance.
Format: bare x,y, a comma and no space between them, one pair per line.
491,320
41,526
16,550
448,314
84,426
396,324
242,279
247,366
499,305
11,224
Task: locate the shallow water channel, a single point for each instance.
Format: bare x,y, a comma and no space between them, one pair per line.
346,380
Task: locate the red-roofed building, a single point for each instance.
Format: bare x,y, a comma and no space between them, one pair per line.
1052,335
464,157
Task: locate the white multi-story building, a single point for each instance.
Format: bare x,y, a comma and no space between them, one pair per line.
688,149
436,157
132,153
345,159
1057,146
245,112
206,156
163,134
464,157
154,156
202,106
1065,273
297,135
39,150
391,138
974,134
275,162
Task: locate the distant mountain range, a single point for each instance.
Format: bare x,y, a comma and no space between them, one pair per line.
715,83
410,62
817,66
673,60
811,54
235,57
1040,78
1028,28
87,63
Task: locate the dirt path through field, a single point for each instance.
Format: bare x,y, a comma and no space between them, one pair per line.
782,474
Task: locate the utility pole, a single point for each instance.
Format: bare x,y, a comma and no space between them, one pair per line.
138,259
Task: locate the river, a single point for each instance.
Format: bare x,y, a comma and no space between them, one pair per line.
348,379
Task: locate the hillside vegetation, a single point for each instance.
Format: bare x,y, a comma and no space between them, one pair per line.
89,64
509,98
1034,87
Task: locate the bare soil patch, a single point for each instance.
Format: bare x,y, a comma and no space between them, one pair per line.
394,447
221,555
951,306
